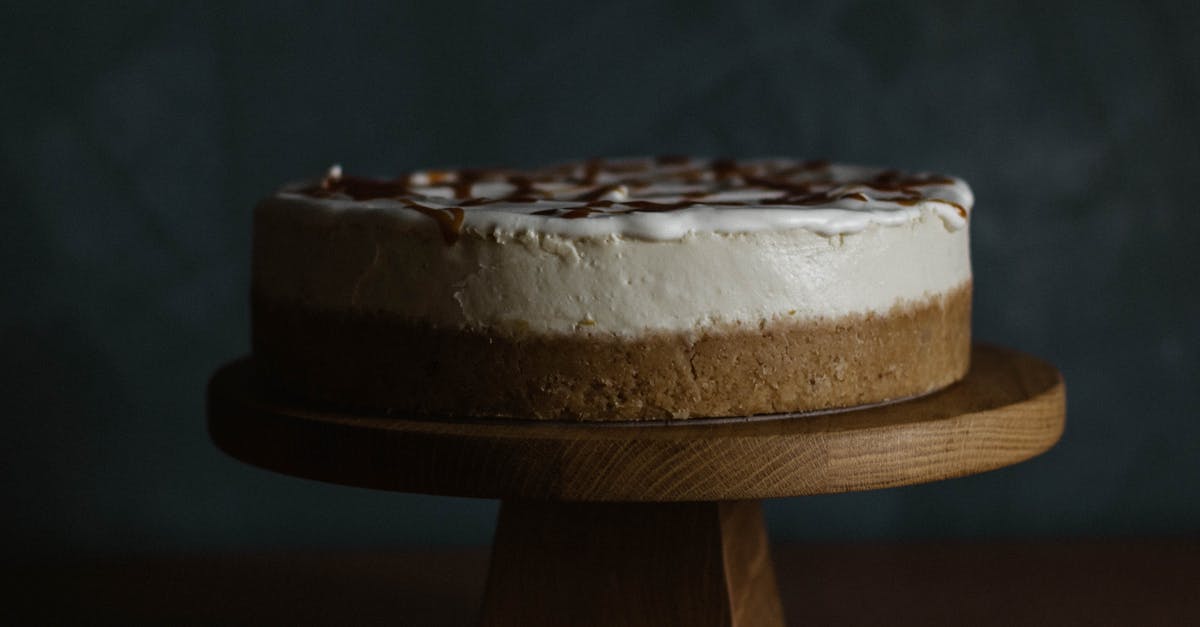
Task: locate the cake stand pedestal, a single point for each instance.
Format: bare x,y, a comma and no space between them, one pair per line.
648,523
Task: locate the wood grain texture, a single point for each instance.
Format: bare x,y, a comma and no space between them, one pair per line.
582,564
1009,407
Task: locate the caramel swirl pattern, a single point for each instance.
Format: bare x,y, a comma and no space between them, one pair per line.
598,188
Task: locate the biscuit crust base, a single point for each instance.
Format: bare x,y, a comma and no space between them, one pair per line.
376,361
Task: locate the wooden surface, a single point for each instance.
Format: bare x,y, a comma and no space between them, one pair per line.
1009,408
634,564
982,584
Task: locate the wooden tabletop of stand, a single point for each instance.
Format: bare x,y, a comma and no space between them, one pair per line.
1010,407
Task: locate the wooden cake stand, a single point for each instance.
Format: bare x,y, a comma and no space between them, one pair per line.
650,523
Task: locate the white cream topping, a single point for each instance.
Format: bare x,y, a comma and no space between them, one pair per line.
841,199
518,271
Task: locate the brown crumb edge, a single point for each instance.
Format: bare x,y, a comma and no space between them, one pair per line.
377,361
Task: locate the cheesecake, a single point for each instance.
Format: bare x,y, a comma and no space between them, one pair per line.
667,288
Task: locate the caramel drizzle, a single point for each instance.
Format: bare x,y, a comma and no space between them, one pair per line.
449,220
596,193
600,178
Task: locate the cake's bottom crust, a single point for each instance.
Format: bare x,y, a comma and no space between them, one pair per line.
373,360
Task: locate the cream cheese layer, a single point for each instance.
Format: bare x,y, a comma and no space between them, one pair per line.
626,248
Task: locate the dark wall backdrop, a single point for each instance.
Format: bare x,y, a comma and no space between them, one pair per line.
137,137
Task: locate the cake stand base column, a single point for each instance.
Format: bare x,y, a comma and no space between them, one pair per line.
631,564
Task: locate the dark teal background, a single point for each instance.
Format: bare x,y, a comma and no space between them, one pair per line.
137,137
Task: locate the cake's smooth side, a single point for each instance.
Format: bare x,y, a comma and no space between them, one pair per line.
779,366
375,261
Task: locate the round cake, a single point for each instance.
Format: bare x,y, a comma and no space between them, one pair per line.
632,289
